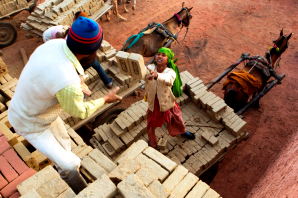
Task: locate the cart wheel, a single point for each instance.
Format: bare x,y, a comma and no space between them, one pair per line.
8,34
107,117
209,175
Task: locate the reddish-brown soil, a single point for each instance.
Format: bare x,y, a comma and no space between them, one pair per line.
219,32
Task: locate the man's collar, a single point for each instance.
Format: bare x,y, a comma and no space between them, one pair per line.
73,59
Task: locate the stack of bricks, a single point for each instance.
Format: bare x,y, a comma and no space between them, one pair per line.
140,171
106,57
213,138
9,6
13,170
58,12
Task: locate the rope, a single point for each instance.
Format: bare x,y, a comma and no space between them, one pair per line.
138,36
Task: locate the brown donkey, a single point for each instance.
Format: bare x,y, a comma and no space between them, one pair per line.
149,44
235,95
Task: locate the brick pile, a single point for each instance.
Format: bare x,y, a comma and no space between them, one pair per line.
217,129
13,170
140,171
9,6
106,57
59,12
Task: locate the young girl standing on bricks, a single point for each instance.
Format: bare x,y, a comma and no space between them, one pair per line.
163,84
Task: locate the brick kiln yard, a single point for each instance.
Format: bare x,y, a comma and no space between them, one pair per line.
219,33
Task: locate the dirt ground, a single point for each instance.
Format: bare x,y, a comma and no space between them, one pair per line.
219,32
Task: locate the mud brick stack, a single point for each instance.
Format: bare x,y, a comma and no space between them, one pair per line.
12,169
104,55
140,171
9,6
216,127
59,12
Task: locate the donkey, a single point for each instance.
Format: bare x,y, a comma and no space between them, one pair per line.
115,8
149,44
234,95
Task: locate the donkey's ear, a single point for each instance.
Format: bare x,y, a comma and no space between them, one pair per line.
281,32
289,36
190,9
183,4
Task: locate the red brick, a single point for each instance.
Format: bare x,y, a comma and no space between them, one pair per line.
3,139
4,147
3,182
1,133
15,195
7,171
14,160
12,187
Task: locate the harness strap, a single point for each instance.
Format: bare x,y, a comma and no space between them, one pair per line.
178,18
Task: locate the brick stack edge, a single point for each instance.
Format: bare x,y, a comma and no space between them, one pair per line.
13,170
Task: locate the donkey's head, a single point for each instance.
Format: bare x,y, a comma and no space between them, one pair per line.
280,45
185,15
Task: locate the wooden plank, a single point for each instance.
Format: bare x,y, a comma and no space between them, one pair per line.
107,106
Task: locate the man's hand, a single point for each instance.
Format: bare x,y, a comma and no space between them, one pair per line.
153,74
112,96
85,88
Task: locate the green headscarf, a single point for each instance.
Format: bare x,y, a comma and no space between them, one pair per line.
171,64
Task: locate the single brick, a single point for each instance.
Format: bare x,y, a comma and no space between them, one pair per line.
162,160
7,171
175,178
146,176
153,167
133,151
52,188
3,182
116,129
14,160
3,144
31,194
67,194
12,140
78,140
137,66
101,188
12,187
94,170
25,155
102,160
162,144
198,191
158,190
211,193
85,151
124,169
131,186
185,185
40,178
109,149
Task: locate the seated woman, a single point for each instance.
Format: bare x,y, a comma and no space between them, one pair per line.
162,85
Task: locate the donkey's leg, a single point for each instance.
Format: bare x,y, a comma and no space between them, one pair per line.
134,4
107,15
257,103
124,2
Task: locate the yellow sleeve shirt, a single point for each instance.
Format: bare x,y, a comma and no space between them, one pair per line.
71,98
